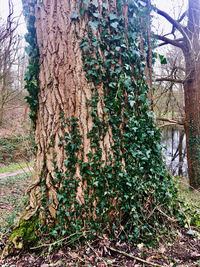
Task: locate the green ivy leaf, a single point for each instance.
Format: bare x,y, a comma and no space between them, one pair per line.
105,6
74,15
96,15
112,16
95,4
163,60
114,25
94,25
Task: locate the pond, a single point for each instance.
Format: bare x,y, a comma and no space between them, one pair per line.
174,149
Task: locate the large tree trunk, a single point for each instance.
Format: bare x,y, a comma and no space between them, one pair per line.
192,119
190,46
99,163
191,51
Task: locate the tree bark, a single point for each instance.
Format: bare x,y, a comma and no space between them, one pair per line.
98,161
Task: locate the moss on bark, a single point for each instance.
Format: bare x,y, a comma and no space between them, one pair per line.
24,235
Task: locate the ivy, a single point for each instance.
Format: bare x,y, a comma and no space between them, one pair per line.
123,191
133,180
31,76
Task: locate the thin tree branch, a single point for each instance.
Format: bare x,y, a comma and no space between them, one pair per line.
174,22
171,121
169,41
166,79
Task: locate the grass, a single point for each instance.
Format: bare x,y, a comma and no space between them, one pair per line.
15,167
191,200
12,199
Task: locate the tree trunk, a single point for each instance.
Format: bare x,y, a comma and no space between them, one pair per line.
190,46
192,93
98,163
192,119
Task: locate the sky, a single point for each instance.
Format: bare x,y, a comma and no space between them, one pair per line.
170,6
17,7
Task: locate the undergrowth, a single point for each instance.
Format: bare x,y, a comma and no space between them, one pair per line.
16,148
12,199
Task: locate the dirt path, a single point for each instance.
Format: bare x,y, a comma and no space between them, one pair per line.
24,170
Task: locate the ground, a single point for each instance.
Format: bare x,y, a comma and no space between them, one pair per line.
181,250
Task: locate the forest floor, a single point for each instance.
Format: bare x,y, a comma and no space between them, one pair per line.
182,250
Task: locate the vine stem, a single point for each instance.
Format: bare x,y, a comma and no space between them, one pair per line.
56,242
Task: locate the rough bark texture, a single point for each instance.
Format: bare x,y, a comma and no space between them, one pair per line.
99,160
63,88
191,51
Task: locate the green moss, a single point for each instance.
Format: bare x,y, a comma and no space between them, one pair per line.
26,231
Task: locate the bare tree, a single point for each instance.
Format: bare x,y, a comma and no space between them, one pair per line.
186,37
10,58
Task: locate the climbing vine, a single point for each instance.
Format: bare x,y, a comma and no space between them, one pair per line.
124,193
31,76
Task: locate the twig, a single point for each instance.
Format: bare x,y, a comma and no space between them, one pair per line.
169,218
56,242
171,121
96,253
165,125
134,257
194,189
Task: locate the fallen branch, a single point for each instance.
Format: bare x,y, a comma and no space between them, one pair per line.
134,257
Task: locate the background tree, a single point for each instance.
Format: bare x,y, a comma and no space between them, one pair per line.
168,100
12,64
188,42
99,167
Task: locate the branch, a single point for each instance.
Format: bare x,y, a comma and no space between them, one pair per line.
174,22
169,41
171,121
166,79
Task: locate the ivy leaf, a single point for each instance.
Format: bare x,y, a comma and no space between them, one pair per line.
163,60
96,15
27,76
132,103
95,4
142,3
74,15
114,25
190,232
66,162
105,6
112,16
94,25
117,48
96,183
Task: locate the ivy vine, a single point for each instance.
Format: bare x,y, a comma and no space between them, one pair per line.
128,187
31,76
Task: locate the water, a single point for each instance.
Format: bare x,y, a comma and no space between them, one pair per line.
174,151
